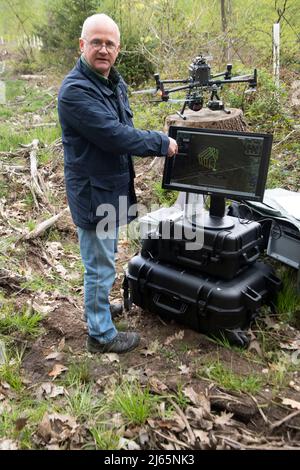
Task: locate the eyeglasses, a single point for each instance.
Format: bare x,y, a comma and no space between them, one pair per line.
96,44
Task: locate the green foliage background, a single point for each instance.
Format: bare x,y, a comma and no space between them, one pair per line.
162,34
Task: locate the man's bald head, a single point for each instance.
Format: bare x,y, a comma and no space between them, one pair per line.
100,42
98,20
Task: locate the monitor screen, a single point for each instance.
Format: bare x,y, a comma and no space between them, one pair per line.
226,163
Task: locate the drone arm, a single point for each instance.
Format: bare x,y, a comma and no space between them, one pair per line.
218,75
186,80
190,86
232,80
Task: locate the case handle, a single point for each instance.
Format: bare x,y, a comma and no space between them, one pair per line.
193,262
168,308
253,257
253,298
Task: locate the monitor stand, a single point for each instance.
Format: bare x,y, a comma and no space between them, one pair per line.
216,219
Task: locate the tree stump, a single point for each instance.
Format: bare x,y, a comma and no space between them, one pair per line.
207,119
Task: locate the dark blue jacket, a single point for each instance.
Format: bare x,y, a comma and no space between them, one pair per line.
99,138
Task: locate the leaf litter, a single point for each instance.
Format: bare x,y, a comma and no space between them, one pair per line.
209,417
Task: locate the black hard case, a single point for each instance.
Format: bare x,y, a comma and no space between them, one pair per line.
203,303
225,253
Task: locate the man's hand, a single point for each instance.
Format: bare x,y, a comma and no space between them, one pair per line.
173,147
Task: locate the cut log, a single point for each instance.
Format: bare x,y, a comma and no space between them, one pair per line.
42,227
33,169
33,77
207,119
240,405
204,119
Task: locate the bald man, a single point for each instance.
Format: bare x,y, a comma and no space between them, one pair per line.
99,138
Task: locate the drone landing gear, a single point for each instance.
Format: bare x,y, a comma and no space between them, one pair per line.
195,104
215,104
180,113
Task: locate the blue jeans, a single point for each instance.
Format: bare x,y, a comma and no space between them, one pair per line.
98,257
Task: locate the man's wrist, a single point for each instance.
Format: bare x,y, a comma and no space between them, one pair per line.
164,144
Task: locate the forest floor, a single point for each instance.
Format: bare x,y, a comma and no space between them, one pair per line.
178,390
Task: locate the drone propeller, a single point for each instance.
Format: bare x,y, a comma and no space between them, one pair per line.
150,91
242,77
189,100
250,90
173,101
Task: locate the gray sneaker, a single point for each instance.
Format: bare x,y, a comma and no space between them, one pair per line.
123,342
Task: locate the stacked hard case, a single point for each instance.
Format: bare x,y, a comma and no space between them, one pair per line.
216,288
225,253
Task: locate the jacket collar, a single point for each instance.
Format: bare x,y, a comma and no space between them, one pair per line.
91,75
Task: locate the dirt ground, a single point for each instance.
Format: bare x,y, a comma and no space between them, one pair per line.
170,358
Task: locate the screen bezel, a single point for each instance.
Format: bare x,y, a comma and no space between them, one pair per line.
230,194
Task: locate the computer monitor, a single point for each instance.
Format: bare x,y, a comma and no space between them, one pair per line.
222,164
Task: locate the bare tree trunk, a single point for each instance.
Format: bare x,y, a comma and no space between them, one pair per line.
224,30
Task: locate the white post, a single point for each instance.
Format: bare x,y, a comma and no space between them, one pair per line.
2,92
276,50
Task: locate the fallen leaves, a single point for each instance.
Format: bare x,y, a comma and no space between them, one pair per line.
198,399
57,370
55,356
177,337
153,349
49,390
184,369
292,403
8,444
55,429
110,358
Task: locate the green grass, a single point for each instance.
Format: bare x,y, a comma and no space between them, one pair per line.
280,369
4,188
32,99
32,96
32,411
147,116
13,137
83,403
10,370
31,225
228,379
105,438
28,200
134,403
25,321
5,112
169,354
45,156
224,342
180,397
288,300
78,373
164,196
38,283
15,88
